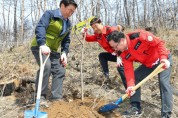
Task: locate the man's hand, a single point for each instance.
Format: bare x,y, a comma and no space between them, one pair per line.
83,31
130,91
64,59
119,62
166,63
45,49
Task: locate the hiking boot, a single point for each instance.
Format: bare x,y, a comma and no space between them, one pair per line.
132,111
44,102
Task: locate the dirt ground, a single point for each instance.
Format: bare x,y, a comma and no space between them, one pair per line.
20,64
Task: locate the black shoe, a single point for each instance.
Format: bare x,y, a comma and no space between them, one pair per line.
166,115
132,111
106,75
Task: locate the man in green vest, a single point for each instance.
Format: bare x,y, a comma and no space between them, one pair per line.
53,33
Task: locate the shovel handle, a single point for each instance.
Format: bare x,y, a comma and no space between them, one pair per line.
42,64
151,75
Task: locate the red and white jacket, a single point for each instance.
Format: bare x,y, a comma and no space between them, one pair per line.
143,47
102,38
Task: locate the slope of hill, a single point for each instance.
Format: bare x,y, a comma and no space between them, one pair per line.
19,64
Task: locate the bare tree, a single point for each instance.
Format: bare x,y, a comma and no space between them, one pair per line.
173,15
98,7
3,15
138,16
8,18
145,13
127,13
133,12
39,10
158,13
15,22
22,20
106,11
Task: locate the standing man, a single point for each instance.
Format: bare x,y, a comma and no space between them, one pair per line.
53,32
100,35
142,46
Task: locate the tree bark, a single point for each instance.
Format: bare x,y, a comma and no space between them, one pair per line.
127,13
22,20
15,21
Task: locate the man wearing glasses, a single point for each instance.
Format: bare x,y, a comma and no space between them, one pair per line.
142,46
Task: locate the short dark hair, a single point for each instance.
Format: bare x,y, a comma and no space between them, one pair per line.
115,36
95,20
68,2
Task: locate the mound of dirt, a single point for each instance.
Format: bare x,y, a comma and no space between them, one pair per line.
74,109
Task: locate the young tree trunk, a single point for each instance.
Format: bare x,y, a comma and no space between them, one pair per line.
127,13
145,13
106,13
133,12
44,5
39,10
8,19
98,5
138,16
15,21
4,19
22,21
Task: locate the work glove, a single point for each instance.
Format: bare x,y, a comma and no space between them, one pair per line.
45,49
166,63
83,31
114,53
130,91
119,62
64,59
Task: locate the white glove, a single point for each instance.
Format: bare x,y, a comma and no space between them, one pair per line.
45,49
130,91
64,59
119,61
114,53
166,63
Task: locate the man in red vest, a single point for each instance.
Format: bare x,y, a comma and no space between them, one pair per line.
142,46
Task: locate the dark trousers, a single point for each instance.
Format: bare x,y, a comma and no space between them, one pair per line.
54,67
164,85
104,57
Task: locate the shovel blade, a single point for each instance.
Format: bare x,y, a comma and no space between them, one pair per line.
108,107
31,114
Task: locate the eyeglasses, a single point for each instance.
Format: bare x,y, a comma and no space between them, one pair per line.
115,47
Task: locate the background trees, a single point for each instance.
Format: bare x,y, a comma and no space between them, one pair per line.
19,17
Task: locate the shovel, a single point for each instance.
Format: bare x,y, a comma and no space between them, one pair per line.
114,105
36,113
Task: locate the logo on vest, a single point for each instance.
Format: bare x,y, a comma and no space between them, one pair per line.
150,38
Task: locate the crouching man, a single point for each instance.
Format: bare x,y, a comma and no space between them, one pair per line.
142,46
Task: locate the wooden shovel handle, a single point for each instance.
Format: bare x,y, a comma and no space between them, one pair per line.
151,75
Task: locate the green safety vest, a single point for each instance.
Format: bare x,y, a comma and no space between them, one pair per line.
53,37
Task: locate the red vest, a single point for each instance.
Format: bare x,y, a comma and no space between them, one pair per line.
102,38
143,47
